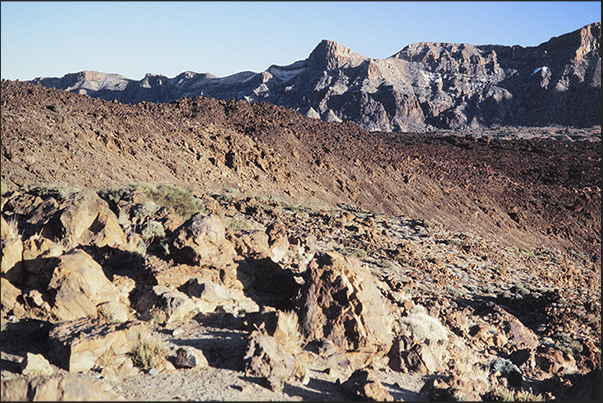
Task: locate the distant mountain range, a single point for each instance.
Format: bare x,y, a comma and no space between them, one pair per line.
424,87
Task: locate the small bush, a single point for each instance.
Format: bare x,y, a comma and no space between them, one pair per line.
501,394
148,353
288,323
238,224
182,201
152,230
12,228
3,188
423,326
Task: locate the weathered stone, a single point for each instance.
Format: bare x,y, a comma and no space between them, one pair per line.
79,284
363,385
12,256
35,248
9,295
190,357
265,357
35,364
397,353
77,345
86,219
209,297
341,302
56,388
554,361
249,244
515,330
201,241
421,359
166,306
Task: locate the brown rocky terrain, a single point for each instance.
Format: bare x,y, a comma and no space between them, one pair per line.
221,250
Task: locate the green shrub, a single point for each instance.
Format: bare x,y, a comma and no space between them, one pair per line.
45,190
238,224
153,230
182,201
3,188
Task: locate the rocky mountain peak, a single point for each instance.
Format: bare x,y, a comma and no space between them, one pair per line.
330,55
590,42
426,86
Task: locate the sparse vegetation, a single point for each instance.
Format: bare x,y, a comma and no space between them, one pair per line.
424,326
3,188
503,394
148,353
12,228
182,201
238,224
45,190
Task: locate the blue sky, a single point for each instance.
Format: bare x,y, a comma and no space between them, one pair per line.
51,39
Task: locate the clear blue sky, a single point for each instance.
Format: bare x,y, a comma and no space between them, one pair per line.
51,39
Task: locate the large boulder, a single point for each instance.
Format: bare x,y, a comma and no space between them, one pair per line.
9,302
55,388
210,297
11,266
35,364
266,358
201,241
86,219
165,305
78,285
79,345
341,302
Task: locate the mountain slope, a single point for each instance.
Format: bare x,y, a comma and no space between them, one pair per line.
425,86
523,193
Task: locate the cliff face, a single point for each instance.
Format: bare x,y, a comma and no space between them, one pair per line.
423,87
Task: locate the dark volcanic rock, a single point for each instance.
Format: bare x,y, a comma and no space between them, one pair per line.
423,87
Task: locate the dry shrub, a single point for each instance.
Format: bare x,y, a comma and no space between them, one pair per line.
148,353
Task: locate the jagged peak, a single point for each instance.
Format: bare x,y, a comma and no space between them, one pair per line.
332,55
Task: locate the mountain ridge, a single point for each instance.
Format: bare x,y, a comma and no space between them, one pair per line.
426,86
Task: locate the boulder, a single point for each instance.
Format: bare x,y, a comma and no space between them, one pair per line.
35,364
249,244
190,357
78,284
210,297
12,256
54,388
554,361
77,345
340,302
36,251
268,359
363,385
165,305
201,241
421,359
86,219
9,297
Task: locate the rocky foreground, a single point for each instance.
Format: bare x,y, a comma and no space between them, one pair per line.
101,291
222,250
